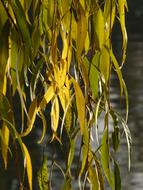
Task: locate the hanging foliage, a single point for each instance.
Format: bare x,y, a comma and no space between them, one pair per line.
57,55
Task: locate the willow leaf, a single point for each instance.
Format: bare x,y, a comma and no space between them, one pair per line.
55,114
71,153
82,28
80,103
44,127
118,71
28,165
94,74
67,185
121,9
3,56
117,176
105,158
43,175
5,144
93,177
47,97
32,116
105,64
85,150
21,21
99,28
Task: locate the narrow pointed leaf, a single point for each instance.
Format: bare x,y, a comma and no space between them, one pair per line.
28,165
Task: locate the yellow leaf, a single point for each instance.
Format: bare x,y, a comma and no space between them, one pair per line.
28,165
32,116
80,103
65,46
55,114
47,97
4,143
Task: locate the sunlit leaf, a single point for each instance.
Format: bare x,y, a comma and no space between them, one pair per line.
47,97
5,144
28,165
55,114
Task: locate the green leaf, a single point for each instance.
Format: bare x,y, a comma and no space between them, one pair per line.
43,175
67,184
94,73
105,158
21,21
85,150
117,176
116,138
71,153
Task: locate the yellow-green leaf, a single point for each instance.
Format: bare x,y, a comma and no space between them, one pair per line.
105,64
93,177
121,8
99,28
82,28
80,103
